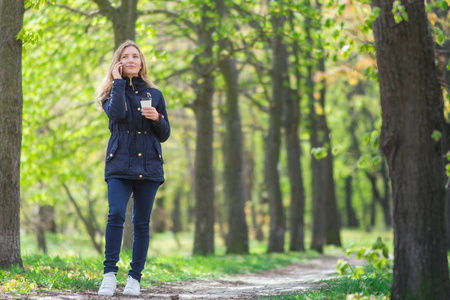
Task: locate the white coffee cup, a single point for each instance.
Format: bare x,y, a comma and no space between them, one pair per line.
146,103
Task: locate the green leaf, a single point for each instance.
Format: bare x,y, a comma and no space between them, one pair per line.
319,152
150,32
341,266
447,170
375,160
439,35
359,271
399,12
436,135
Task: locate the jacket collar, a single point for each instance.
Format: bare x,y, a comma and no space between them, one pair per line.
135,82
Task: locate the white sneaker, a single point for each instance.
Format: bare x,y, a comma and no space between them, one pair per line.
109,284
132,287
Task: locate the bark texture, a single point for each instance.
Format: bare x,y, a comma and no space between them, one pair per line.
292,122
326,219
11,21
273,141
237,237
204,172
411,111
352,221
123,18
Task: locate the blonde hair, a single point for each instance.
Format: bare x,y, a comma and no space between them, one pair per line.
105,87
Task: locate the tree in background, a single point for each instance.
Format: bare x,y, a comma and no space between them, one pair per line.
292,119
273,139
411,114
326,223
11,21
203,107
237,237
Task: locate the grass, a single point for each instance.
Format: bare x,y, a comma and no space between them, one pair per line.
340,288
72,265
42,272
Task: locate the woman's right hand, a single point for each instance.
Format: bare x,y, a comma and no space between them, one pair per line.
117,71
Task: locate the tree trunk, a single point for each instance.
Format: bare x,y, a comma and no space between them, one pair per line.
272,153
292,122
332,214
411,112
191,167
354,148
375,197
248,188
297,209
159,215
237,238
124,22
177,225
386,199
317,180
326,220
45,222
447,216
352,221
443,57
123,18
11,21
127,243
204,172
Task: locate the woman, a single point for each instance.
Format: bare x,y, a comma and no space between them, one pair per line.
134,163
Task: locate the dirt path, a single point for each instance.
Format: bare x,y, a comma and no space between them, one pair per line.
297,277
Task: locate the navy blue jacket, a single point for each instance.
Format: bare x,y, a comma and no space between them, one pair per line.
134,148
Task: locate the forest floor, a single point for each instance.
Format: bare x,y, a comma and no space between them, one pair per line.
294,278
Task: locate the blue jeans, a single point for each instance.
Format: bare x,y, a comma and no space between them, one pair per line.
119,191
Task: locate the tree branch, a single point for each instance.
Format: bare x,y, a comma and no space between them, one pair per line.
106,9
233,50
88,225
79,12
170,13
176,73
255,102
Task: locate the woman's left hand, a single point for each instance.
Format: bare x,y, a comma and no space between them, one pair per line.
150,113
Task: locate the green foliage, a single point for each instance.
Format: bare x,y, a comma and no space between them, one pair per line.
366,26
342,288
45,273
368,282
37,3
442,4
319,152
377,256
439,35
436,135
399,12
29,36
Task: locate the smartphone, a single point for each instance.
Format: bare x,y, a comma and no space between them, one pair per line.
120,71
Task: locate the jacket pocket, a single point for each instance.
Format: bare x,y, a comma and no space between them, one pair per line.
158,150
112,149
153,160
117,160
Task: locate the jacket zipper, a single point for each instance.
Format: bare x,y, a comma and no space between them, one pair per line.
132,86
